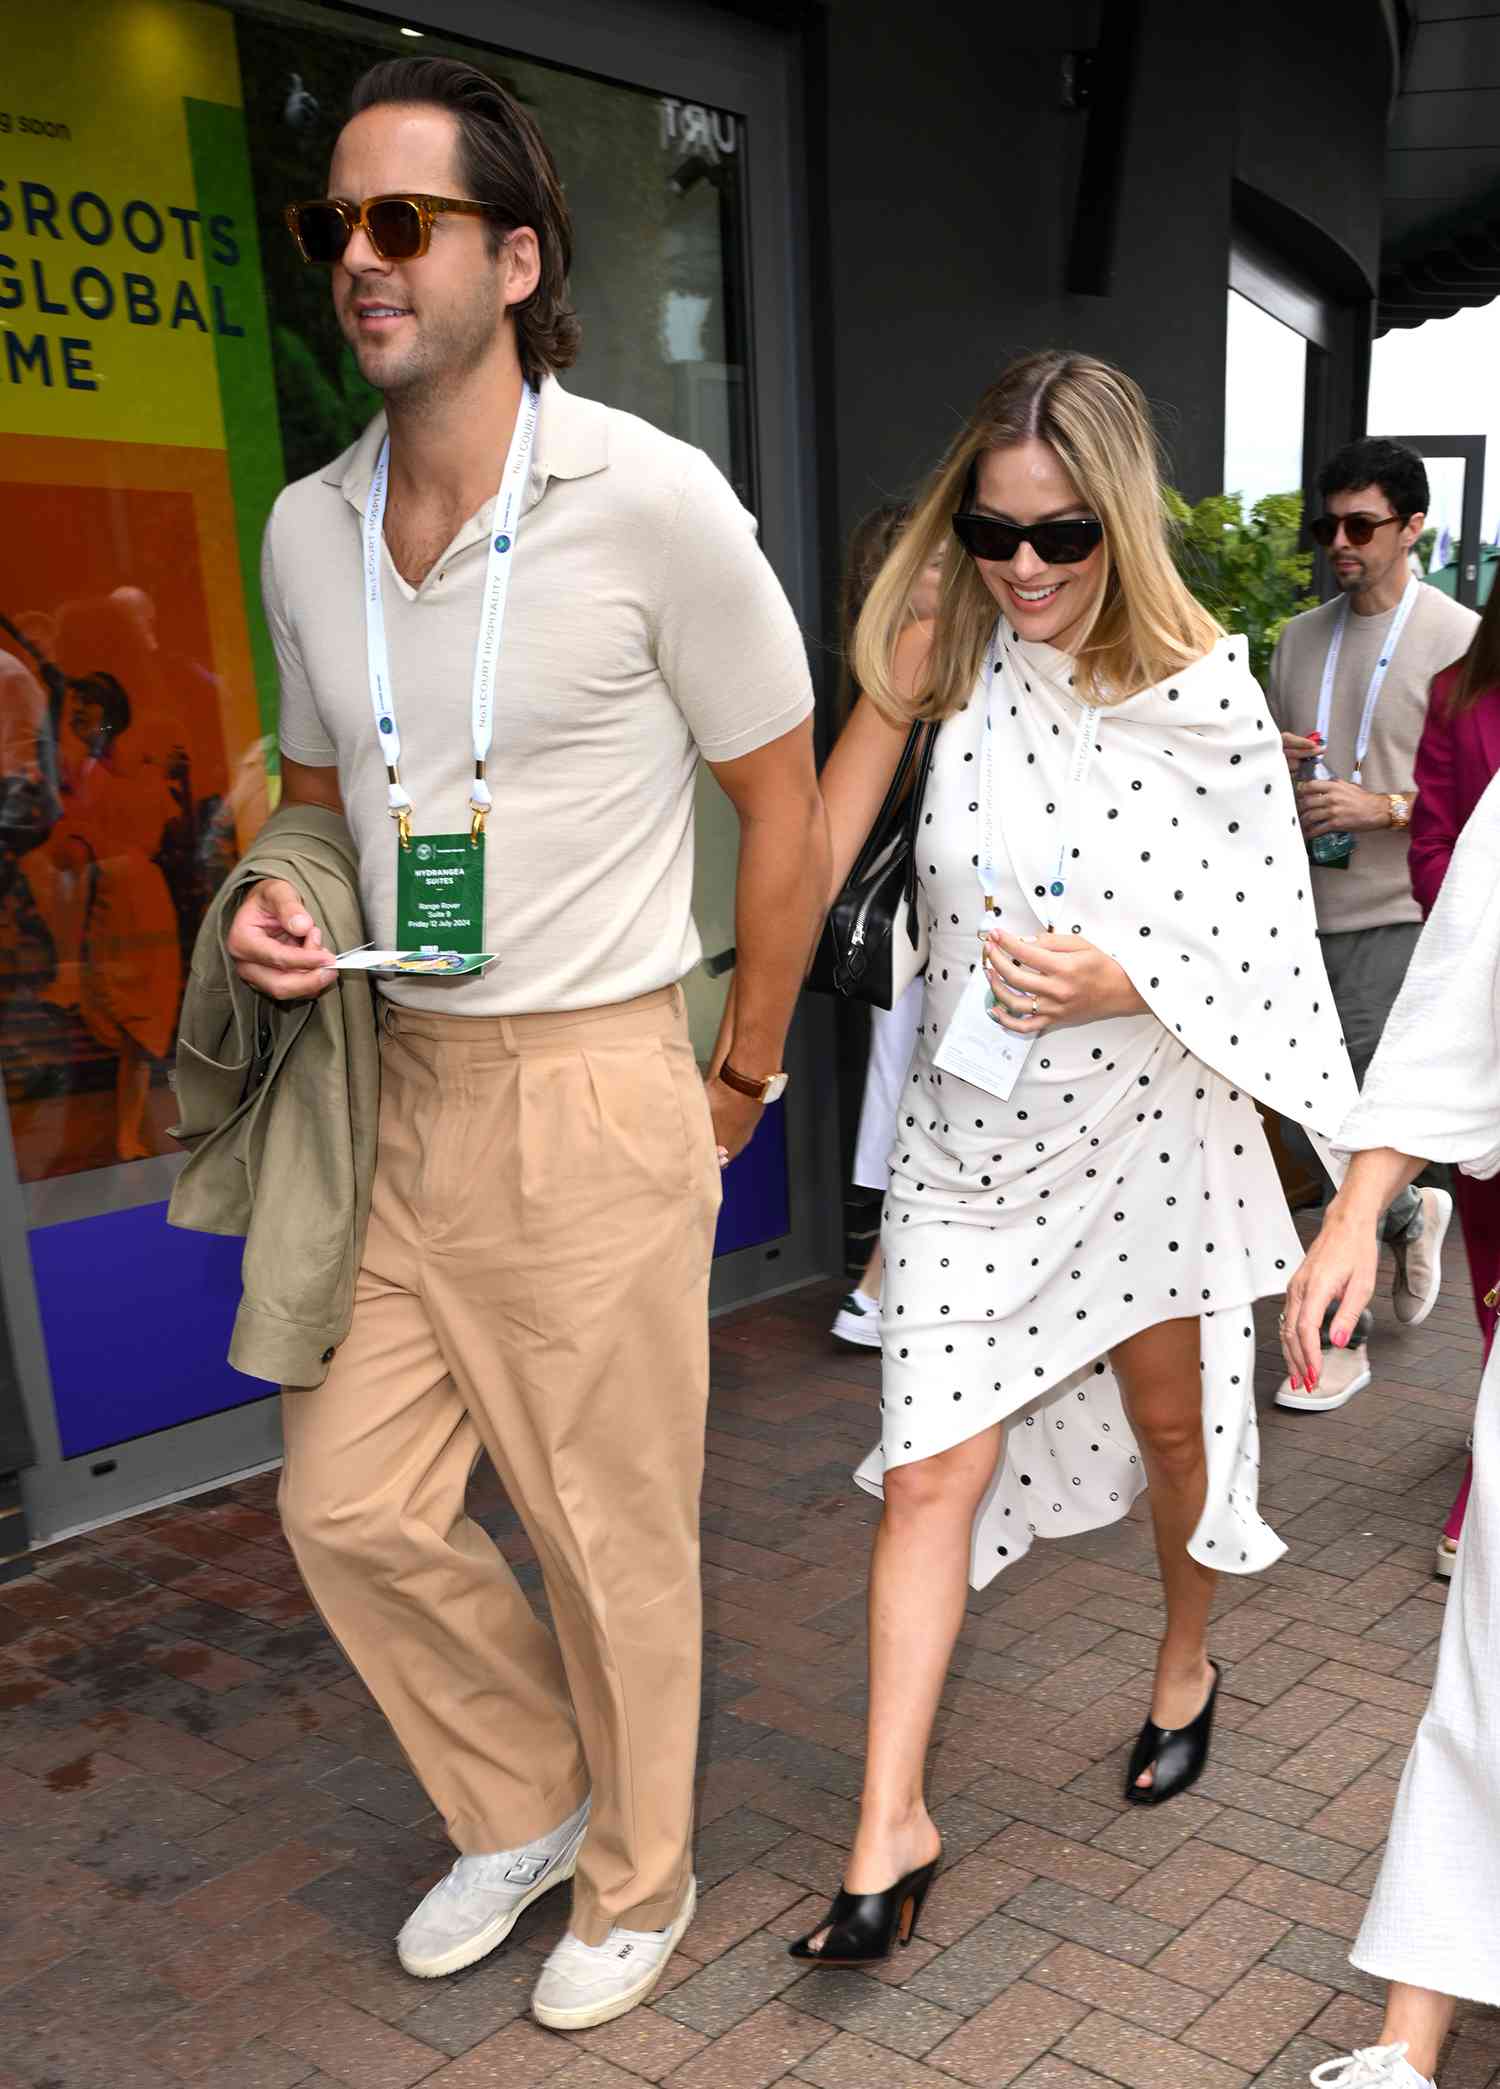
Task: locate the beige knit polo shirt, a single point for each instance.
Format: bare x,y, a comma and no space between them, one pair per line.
645,629
1375,888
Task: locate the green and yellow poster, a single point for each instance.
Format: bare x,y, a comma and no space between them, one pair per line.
140,451
167,364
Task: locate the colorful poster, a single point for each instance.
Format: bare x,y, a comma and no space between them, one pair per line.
167,364
139,454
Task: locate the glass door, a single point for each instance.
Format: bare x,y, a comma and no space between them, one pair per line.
169,366
1451,552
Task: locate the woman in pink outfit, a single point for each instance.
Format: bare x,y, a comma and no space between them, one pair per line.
1458,755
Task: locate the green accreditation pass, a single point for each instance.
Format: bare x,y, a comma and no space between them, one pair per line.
440,892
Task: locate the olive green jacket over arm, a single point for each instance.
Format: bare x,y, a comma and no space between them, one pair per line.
279,1105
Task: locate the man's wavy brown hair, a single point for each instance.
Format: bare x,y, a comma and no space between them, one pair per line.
503,161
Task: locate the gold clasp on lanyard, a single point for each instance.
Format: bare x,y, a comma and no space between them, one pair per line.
401,814
478,814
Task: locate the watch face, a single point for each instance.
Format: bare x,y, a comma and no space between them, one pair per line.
775,1089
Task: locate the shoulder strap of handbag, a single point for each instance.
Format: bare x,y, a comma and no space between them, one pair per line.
929,734
880,826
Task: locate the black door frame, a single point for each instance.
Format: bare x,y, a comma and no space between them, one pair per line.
1471,449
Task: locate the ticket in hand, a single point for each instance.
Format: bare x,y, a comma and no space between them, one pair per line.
428,961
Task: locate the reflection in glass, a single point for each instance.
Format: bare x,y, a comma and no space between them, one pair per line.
122,807
1445,518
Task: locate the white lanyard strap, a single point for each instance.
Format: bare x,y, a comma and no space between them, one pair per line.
505,526
1377,679
1085,740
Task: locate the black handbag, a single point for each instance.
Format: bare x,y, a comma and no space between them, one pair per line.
872,946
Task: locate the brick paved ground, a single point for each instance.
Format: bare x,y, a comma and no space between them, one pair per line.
209,1838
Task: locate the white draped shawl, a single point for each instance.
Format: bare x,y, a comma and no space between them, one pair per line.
1197,873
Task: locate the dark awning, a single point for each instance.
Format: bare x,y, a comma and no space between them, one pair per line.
1441,245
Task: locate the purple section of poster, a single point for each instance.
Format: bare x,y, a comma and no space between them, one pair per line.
756,1205
137,1316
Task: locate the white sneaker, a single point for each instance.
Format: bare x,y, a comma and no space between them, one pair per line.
1447,1557
1370,2067
1342,1374
1419,1260
587,1984
858,1321
477,1905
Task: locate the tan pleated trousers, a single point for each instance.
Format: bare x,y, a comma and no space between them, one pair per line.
535,1286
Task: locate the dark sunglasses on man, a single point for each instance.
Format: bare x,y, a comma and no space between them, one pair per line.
1066,543
1358,528
398,228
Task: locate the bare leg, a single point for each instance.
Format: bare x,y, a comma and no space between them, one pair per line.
1161,1382
919,1586
869,1283
1418,2019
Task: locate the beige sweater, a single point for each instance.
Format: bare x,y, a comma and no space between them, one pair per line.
1375,889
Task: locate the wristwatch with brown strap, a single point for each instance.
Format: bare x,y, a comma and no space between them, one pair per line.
765,1090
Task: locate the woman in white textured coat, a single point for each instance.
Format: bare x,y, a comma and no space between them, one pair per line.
1432,1094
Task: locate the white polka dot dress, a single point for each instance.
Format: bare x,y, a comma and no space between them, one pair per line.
1126,1181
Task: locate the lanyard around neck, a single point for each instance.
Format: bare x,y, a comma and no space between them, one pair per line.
1372,695
1085,740
505,526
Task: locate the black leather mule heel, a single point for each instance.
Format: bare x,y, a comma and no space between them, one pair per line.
862,1928
1175,1756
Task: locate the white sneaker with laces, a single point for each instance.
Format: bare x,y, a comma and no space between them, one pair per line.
1419,1260
858,1321
478,1903
587,1984
1371,2067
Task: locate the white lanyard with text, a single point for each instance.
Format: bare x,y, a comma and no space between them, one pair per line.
1372,694
505,526
1085,739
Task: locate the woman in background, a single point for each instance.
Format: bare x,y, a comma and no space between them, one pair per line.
1432,1093
1458,755
893,1031
101,892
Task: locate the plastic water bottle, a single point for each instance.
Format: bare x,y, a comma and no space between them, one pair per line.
1327,851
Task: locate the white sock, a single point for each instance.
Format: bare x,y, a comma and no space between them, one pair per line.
1408,2077
863,1299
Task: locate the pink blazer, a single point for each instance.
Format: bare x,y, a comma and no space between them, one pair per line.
1455,761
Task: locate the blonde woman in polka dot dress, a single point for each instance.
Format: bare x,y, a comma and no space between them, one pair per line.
1115,891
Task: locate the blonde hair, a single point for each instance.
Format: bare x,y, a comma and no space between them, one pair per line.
1145,625
870,545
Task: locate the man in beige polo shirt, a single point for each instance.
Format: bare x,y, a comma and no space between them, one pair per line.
527,680
1349,686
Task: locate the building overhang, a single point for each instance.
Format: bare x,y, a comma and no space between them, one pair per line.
1440,250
